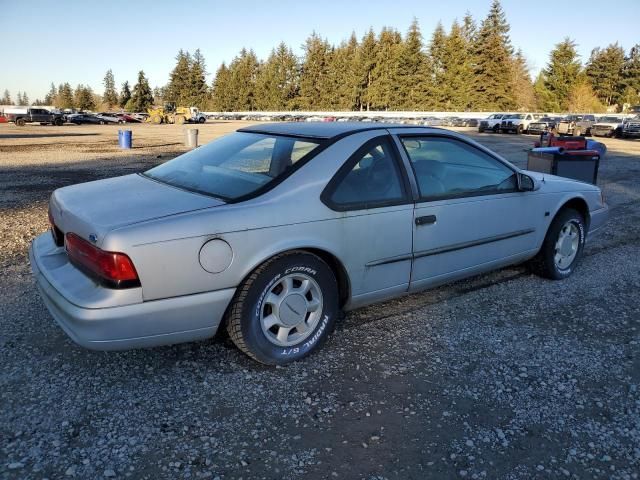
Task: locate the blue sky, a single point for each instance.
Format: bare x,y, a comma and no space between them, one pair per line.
78,40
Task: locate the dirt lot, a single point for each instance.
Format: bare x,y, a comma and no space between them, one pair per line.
502,376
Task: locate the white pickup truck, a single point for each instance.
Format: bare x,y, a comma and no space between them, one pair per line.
491,123
518,122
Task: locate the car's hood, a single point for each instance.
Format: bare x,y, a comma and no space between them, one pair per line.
92,209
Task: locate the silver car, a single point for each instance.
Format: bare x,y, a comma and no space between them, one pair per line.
272,230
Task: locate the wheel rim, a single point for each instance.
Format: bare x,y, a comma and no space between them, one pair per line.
567,245
291,310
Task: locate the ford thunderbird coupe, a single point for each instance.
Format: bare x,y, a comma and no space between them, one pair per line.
270,232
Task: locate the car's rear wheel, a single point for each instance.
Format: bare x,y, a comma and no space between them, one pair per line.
285,309
20,122
562,246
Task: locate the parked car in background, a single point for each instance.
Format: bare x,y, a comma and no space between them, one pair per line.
3,119
517,122
577,125
543,124
608,126
110,117
85,118
127,118
631,127
491,123
272,246
24,115
465,122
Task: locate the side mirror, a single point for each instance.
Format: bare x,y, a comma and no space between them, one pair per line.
527,183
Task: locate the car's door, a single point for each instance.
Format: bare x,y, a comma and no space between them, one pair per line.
470,216
372,194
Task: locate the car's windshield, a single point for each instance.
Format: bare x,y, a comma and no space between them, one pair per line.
611,119
516,115
234,165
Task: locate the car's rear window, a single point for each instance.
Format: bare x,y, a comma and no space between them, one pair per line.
235,165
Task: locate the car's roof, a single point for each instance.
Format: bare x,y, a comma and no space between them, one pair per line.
325,130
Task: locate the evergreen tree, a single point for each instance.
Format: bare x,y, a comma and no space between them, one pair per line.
110,96
25,99
631,76
383,93
142,97
469,28
544,100
19,99
277,81
83,98
604,71
50,97
65,96
456,82
561,73
437,54
179,89
314,73
493,61
366,58
342,77
125,95
521,86
197,92
222,97
243,75
6,98
413,79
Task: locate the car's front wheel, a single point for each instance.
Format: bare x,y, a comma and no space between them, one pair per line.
562,247
285,309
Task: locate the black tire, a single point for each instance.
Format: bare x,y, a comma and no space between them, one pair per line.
202,120
244,315
496,129
543,264
58,122
20,122
519,130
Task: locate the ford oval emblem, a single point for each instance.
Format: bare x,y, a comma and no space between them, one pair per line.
93,238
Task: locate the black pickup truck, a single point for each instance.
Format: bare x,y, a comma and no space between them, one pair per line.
34,115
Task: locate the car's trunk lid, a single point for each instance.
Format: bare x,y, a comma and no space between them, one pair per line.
92,209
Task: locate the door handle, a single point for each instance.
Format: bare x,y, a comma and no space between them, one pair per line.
426,220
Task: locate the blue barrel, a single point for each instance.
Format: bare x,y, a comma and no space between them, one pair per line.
125,138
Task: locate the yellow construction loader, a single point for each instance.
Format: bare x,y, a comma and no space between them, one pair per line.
169,113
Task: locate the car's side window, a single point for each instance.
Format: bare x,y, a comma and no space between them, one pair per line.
371,178
449,168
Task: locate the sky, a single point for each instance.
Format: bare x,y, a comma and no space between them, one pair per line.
79,40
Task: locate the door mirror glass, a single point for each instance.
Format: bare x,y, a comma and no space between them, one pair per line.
526,183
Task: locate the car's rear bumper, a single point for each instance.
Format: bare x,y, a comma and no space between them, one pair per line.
144,324
597,219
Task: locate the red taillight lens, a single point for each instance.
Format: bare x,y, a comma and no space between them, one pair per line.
112,269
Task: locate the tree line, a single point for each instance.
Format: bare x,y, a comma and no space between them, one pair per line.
470,66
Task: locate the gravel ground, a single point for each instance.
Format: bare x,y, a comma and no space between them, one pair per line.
502,376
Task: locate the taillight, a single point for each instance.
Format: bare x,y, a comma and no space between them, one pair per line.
111,269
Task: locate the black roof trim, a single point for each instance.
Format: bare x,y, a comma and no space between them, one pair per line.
320,130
